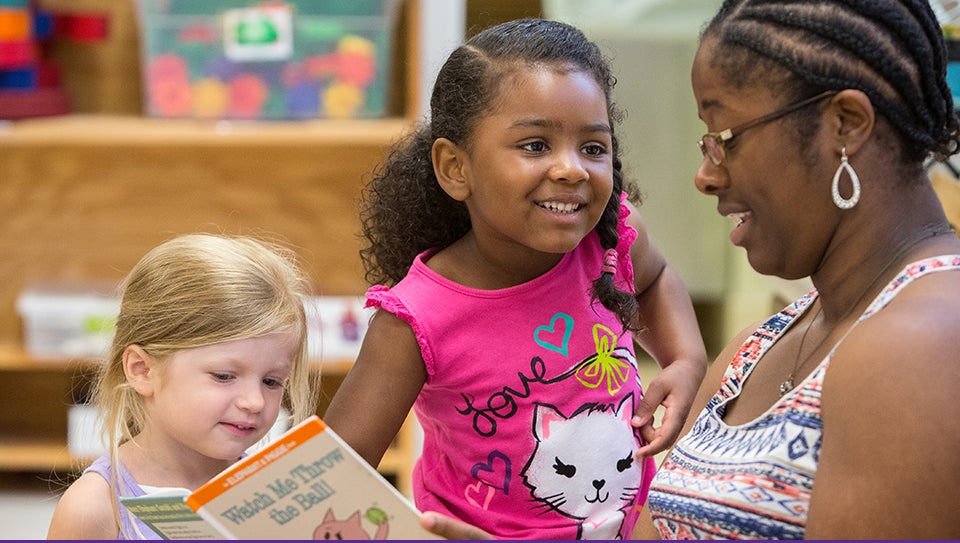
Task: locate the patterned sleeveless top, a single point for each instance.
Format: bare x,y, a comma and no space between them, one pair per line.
753,481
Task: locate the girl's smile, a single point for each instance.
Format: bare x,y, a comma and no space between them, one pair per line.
221,399
537,173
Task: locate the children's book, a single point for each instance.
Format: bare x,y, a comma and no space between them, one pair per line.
306,484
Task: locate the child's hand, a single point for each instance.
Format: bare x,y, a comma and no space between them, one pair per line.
450,528
674,387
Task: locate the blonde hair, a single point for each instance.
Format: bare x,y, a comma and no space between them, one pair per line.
197,290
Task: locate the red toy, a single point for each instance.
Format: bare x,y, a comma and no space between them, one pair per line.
29,82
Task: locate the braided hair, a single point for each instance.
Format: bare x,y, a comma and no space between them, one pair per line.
892,51
403,209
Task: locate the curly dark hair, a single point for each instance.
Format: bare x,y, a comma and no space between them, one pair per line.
404,211
892,51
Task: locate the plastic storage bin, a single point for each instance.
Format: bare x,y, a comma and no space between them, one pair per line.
336,326
247,59
68,320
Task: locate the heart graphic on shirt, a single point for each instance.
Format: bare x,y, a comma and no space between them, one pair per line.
478,491
495,472
596,523
549,338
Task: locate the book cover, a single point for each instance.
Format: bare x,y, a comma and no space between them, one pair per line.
170,516
307,484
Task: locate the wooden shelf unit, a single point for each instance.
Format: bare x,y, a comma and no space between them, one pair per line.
84,196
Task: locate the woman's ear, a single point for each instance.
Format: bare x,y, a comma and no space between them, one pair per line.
851,119
139,368
449,161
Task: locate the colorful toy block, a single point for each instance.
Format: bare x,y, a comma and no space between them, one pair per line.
29,83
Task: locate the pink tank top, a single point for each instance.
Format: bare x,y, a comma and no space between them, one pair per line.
527,405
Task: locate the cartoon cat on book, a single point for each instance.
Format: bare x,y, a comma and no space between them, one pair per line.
350,528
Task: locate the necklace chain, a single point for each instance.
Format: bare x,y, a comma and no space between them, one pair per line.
788,383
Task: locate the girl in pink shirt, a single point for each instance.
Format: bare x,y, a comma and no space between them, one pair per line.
513,278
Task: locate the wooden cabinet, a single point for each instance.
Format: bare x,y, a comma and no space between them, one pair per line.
84,196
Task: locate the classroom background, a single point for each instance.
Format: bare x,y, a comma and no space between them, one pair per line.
125,122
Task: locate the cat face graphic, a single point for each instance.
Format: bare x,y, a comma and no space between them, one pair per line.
350,527
584,464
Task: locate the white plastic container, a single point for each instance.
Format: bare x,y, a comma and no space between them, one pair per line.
336,326
68,320
84,432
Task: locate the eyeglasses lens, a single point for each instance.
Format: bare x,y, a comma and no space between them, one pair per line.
710,148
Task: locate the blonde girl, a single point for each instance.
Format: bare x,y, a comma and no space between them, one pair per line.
210,343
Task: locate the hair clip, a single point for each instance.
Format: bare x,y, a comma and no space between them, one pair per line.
609,262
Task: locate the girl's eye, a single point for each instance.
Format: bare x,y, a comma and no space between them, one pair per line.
534,146
595,150
273,383
221,376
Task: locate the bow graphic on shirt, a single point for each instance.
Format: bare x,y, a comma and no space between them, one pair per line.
605,367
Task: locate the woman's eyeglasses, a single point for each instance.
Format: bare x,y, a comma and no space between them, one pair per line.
712,143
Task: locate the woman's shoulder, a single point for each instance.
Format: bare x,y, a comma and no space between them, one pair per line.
910,345
887,402
925,310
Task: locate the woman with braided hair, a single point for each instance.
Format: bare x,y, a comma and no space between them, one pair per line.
512,277
836,418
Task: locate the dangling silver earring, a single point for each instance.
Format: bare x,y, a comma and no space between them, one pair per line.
838,200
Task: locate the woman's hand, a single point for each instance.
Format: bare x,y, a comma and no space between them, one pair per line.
450,528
